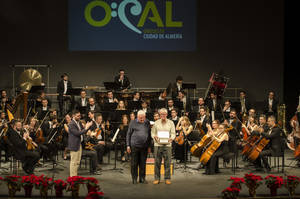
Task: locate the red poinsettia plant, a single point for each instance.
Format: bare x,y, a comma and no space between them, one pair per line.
252,180
95,195
273,181
74,182
230,192
236,182
60,184
291,182
28,180
43,182
92,184
13,180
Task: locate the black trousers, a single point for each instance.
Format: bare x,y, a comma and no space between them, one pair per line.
61,100
263,156
100,149
138,162
31,158
94,159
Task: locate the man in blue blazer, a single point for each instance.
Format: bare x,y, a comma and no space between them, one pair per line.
76,131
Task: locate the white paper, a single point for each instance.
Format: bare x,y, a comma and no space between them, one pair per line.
163,134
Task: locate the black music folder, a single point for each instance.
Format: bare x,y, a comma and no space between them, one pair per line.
188,85
110,85
74,91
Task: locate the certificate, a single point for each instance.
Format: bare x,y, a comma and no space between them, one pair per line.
163,137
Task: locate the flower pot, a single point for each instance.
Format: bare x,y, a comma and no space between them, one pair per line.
75,191
59,192
28,190
12,189
92,188
291,190
44,192
252,192
273,190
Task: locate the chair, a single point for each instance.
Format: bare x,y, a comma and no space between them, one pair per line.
86,158
276,159
232,157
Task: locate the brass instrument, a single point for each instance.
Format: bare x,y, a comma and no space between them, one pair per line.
281,117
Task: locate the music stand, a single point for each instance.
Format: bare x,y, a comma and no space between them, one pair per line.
74,91
37,89
188,86
110,86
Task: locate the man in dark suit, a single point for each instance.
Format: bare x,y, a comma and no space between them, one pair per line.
63,87
234,134
76,131
214,106
43,110
92,106
176,87
270,105
81,104
19,147
243,105
203,120
275,146
201,103
122,81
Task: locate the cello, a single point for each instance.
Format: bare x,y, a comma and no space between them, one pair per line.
212,147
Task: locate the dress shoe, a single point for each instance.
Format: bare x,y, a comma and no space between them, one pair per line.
96,173
143,181
156,182
168,182
134,181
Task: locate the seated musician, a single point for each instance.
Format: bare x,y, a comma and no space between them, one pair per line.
226,109
122,81
3,135
251,113
174,116
274,147
156,116
203,120
219,135
201,103
131,116
40,98
183,129
121,106
92,106
19,143
110,98
296,132
81,103
214,106
43,109
63,87
4,95
263,122
270,104
92,142
3,104
251,126
135,104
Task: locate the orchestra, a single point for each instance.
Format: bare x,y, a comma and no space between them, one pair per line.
221,125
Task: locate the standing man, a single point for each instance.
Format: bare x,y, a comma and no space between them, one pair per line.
122,81
63,87
76,131
138,142
163,150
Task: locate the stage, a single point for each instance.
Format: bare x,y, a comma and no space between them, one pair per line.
186,182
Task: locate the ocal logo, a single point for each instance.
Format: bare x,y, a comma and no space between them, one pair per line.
148,12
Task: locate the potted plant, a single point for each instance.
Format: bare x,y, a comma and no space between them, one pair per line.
230,193
291,182
43,183
13,184
273,183
236,182
92,184
74,183
252,182
95,195
59,186
27,183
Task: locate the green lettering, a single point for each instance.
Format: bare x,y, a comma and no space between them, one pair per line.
156,17
88,13
169,20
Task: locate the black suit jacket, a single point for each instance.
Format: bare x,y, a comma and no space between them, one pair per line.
276,140
18,144
74,140
125,85
96,110
247,104
210,105
82,109
274,106
60,87
175,90
205,121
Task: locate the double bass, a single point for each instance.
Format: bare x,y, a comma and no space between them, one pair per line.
296,130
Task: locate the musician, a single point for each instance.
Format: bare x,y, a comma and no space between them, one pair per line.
243,105
19,147
270,104
81,103
65,134
156,116
176,87
163,150
170,107
63,87
3,135
251,125
201,103
122,81
138,140
43,109
121,138
76,131
147,110
4,95
263,122
184,100
213,105
296,131
183,126
135,104
110,98
101,138
234,134
275,146
40,98
226,109
2,118
3,104
174,116
121,106
203,119
212,166
92,106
